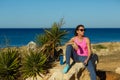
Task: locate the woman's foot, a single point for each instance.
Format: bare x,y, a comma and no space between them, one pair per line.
66,68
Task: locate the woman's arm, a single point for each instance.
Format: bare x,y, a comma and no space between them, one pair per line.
71,42
89,50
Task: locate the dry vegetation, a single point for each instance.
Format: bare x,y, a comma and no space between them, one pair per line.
109,55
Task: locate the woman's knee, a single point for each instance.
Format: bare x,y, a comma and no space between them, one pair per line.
70,46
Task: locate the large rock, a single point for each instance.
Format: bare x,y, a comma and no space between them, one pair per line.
108,75
73,74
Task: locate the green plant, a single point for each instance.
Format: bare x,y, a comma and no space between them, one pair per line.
52,38
99,46
41,39
9,64
33,64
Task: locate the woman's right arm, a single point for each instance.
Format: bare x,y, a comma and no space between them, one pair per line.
71,41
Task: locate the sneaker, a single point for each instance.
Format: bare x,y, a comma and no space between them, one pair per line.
66,68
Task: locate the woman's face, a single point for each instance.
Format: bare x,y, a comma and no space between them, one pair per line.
80,31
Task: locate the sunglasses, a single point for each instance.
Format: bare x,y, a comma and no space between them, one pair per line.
81,30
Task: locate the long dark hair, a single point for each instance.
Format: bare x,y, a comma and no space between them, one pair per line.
78,28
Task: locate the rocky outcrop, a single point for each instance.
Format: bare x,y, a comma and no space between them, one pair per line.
77,71
107,75
73,74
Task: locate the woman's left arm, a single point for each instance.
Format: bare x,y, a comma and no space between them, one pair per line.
89,50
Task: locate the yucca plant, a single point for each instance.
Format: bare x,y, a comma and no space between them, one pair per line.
55,35
52,38
41,39
32,64
9,64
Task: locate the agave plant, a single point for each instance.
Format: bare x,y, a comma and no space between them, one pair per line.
9,64
32,64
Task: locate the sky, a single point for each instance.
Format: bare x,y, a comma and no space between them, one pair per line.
43,13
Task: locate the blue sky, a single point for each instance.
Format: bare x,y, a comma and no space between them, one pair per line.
43,13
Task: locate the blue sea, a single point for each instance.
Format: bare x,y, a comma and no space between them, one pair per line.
22,36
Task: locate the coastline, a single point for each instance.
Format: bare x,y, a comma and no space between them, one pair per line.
21,36
108,53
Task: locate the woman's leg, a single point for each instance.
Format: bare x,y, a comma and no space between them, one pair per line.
91,69
70,53
89,66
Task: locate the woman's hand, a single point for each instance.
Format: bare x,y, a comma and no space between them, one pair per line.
89,51
75,46
71,42
86,62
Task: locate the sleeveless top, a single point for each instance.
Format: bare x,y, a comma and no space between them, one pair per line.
82,45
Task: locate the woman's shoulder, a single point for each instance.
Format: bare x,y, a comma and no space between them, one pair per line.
87,39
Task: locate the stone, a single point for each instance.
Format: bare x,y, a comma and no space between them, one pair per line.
70,75
31,45
117,70
35,78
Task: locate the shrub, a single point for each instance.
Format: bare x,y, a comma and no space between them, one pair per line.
51,39
32,64
9,64
99,46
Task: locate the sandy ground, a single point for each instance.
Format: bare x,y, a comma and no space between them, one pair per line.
109,62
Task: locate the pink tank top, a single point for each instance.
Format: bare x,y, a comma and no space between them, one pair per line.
83,49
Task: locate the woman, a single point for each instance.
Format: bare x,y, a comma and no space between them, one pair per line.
79,48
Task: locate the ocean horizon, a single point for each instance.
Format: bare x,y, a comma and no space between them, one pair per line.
22,36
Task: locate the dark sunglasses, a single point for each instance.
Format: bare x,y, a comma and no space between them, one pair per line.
81,30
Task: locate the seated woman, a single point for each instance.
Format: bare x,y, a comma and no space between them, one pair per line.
79,48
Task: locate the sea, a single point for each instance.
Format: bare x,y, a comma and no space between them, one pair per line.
22,36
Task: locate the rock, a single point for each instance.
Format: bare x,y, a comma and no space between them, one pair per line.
72,74
58,75
31,45
108,75
117,70
35,78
